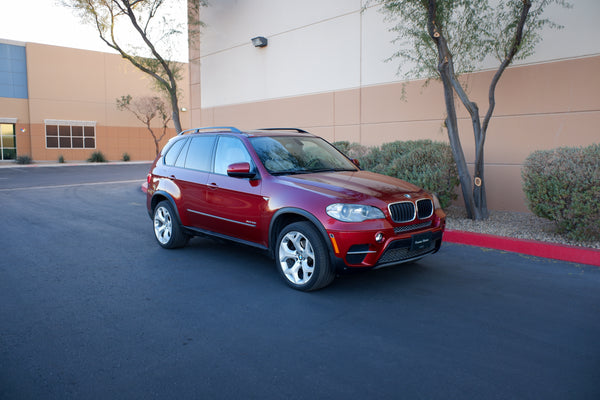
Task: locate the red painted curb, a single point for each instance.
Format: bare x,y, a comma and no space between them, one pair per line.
530,247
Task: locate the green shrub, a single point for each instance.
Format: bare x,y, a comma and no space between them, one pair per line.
563,185
126,157
24,160
97,157
61,159
424,163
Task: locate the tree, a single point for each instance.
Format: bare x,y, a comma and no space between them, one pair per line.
446,38
155,29
145,110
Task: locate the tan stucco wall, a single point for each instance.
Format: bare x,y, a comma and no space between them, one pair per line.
80,85
538,107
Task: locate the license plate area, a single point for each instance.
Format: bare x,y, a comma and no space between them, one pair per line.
421,241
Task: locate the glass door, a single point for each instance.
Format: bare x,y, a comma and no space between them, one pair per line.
8,142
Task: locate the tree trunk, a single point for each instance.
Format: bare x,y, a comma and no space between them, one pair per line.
479,194
459,157
175,107
446,71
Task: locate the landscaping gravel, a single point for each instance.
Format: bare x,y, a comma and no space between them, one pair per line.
512,224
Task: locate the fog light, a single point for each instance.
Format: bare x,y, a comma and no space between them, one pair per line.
379,237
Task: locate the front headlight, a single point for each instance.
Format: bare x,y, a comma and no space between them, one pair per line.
436,202
354,212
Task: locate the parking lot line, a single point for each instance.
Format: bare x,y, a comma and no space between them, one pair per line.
66,186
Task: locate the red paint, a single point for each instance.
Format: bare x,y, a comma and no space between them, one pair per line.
539,249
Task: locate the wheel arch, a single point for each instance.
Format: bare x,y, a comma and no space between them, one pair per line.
286,216
159,196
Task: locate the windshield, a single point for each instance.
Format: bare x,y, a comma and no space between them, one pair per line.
299,155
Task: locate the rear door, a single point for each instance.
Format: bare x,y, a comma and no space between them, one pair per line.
193,179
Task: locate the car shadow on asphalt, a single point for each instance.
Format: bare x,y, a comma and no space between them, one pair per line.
238,259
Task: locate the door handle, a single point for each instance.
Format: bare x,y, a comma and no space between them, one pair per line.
213,186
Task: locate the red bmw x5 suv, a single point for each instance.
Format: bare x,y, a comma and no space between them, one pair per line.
293,194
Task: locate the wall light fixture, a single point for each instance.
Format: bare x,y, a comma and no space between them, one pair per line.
259,41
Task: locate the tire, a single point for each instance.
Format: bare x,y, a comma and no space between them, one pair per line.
302,257
167,228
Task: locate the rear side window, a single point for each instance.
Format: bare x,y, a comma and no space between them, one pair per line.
199,155
181,159
173,152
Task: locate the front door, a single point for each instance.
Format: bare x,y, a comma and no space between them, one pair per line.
8,142
236,204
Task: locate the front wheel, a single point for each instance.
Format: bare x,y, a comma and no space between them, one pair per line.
167,229
302,257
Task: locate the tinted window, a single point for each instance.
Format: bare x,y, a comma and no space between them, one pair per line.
173,152
297,155
230,150
182,154
200,152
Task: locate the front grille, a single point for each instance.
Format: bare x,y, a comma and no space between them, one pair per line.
406,211
414,227
402,212
424,208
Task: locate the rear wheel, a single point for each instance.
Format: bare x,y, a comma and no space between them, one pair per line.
167,229
302,257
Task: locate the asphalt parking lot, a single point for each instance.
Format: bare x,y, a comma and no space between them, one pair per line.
92,308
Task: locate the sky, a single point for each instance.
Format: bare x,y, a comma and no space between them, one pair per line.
47,22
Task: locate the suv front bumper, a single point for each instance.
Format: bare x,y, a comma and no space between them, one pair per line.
361,250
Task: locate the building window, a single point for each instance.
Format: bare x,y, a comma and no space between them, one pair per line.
70,134
13,71
8,143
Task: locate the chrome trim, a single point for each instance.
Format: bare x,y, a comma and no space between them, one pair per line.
222,219
361,252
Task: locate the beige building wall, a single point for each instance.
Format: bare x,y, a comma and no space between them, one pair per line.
80,85
556,104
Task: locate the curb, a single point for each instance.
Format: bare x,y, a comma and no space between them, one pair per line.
580,255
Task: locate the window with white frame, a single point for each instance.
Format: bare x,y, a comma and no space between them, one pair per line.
70,134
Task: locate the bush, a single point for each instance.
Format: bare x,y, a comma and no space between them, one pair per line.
424,163
126,157
563,185
97,156
24,160
61,159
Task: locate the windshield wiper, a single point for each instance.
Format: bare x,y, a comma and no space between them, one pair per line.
331,170
291,172
312,171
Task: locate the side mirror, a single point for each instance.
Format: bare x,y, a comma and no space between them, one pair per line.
356,162
240,170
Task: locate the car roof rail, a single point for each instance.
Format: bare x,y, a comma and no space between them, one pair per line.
284,129
214,128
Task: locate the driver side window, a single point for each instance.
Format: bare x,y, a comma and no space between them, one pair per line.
230,150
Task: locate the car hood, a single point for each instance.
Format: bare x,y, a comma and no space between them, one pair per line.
354,186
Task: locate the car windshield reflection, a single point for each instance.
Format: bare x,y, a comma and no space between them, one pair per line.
298,155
